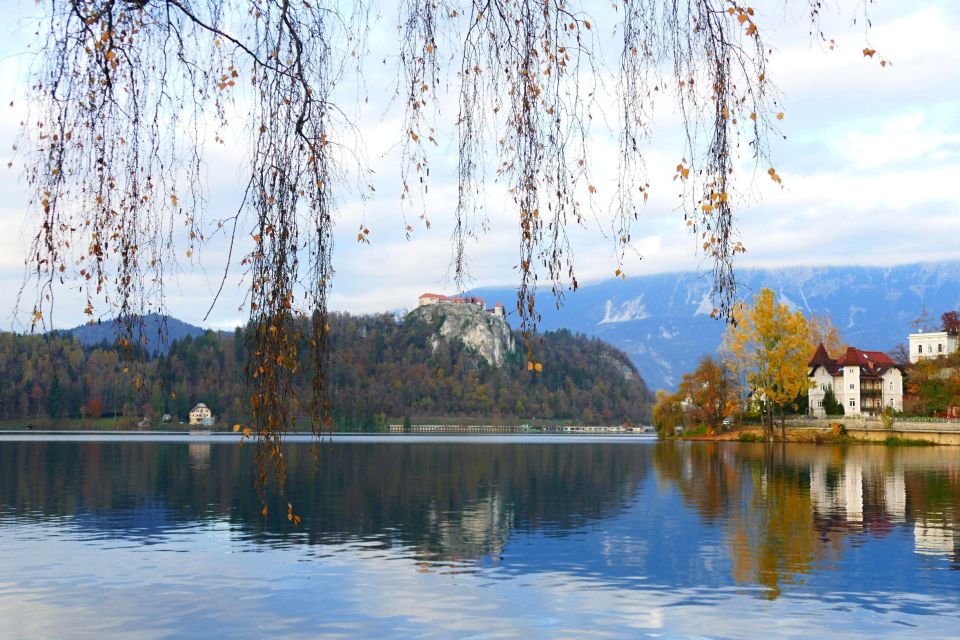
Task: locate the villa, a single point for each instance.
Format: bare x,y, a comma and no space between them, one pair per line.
864,382
934,344
201,414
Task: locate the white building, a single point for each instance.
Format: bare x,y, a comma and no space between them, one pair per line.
862,381
935,344
438,298
201,414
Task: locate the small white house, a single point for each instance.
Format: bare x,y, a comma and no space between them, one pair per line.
934,344
862,381
201,414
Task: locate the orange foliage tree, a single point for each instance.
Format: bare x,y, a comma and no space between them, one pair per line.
768,344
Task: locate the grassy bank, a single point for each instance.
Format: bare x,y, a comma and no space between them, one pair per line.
806,436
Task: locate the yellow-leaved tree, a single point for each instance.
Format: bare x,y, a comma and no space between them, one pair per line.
768,347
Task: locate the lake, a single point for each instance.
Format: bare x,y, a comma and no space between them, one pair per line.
486,537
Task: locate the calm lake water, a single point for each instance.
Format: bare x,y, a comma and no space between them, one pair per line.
486,538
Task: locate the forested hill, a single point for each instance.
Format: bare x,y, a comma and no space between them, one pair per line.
154,332
382,371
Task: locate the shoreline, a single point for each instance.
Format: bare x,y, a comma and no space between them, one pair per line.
806,435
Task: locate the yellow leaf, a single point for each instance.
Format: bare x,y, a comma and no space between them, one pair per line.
538,367
529,366
592,189
780,116
246,432
236,428
264,511
742,18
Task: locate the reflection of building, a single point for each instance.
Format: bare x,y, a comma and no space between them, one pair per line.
201,414
862,381
895,495
845,498
935,344
477,530
934,538
199,454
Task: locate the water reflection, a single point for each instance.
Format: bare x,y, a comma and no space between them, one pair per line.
787,511
514,538
448,501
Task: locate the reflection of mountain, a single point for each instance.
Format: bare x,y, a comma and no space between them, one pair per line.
712,515
446,501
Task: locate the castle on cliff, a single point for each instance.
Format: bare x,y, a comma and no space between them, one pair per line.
437,298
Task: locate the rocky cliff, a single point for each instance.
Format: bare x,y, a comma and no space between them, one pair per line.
489,336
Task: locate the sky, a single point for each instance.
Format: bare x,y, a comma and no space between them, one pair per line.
870,166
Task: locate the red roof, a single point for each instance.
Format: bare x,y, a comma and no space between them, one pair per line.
870,362
438,296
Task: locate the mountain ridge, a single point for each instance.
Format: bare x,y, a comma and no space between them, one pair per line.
663,322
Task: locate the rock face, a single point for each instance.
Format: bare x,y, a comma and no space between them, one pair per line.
484,333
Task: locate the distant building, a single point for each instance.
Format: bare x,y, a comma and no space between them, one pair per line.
935,344
864,382
201,414
432,298
438,298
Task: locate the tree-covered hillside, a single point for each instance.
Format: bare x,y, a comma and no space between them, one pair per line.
381,371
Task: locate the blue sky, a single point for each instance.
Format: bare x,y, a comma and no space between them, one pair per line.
870,167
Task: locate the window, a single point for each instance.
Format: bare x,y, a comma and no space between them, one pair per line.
891,385
919,348
939,348
852,386
820,404
853,402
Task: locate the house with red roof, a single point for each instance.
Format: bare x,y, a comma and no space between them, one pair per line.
864,382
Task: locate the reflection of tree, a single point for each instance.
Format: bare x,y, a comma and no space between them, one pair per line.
786,509
447,501
772,538
766,515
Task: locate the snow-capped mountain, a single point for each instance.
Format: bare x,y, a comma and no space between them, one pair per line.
663,321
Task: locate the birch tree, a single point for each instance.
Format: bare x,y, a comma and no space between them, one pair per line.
124,93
